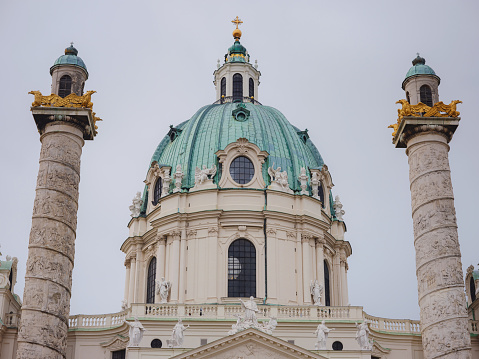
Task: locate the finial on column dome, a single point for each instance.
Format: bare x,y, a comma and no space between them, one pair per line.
237,32
419,60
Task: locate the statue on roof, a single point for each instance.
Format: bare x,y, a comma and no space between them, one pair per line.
316,290
321,333
135,208
163,289
135,333
203,175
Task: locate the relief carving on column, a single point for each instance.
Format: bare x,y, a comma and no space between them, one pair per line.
63,149
52,235
55,176
431,186
434,344
440,306
57,205
430,277
439,243
46,264
427,158
435,214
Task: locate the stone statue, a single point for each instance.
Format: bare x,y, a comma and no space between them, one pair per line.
362,336
218,64
278,178
202,175
163,289
166,182
135,208
178,179
321,333
316,290
303,179
237,326
269,326
256,64
177,335
250,310
136,333
338,208
124,304
315,184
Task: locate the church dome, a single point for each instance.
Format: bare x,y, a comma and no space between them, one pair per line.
194,143
70,58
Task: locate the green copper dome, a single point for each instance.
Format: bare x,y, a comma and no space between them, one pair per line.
70,58
419,68
213,127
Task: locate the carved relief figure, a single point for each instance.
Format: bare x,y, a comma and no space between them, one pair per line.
279,177
135,208
316,290
269,326
202,175
321,333
136,333
163,289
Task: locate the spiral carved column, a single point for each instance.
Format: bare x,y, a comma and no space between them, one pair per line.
444,321
43,327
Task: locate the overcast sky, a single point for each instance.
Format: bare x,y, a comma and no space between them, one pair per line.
333,67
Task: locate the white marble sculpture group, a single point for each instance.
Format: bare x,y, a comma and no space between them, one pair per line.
279,179
338,208
249,320
163,289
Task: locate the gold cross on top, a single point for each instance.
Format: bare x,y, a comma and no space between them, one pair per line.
237,21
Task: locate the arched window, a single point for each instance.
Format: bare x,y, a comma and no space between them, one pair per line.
242,170
407,97
327,297
472,288
223,87
321,194
65,86
426,95
241,269
157,191
251,87
237,87
150,281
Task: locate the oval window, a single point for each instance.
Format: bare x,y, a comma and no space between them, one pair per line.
242,170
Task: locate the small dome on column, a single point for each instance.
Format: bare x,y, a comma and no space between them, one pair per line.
69,73
421,83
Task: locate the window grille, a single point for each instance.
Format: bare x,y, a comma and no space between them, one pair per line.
407,97
251,87
237,87
241,269
65,86
426,95
150,284
321,194
156,343
118,354
327,298
337,345
242,170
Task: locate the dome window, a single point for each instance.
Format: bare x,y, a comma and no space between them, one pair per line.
240,113
426,95
241,269
157,191
242,170
150,284
65,86
237,87
251,88
223,87
472,288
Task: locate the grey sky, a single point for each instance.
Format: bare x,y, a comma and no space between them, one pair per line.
335,68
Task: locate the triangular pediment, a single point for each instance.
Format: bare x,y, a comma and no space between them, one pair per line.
251,344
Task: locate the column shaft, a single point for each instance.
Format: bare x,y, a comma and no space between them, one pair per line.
131,294
127,282
444,322
48,279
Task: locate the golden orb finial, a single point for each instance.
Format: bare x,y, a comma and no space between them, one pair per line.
237,32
